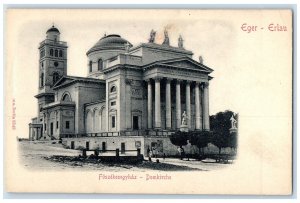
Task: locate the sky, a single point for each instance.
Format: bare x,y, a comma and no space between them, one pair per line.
237,57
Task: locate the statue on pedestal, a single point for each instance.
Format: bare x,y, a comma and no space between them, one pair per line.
233,122
184,127
166,40
127,47
184,117
201,59
152,36
180,42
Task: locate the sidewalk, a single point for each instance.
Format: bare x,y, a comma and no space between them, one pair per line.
192,163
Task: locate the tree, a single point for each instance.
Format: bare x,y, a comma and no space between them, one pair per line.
220,125
220,141
201,140
179,138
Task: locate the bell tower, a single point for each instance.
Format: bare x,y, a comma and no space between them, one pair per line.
52,66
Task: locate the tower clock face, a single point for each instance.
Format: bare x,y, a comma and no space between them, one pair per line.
55,63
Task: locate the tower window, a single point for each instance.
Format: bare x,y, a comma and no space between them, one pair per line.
60,53
55,77
67,124
100,64
56,53
90,66
56,124
40,107
42,53
51,52
42,80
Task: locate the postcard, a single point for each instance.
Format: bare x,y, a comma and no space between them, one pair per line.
148,101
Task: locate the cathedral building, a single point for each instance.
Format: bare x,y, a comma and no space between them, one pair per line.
132,97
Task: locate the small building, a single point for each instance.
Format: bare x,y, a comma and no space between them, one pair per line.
132,97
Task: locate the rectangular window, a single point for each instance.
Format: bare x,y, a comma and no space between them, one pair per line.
72,145
56,124
113,103
67,124
123,149
45,126
113,121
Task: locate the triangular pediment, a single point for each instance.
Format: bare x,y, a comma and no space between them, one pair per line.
62,81
186,63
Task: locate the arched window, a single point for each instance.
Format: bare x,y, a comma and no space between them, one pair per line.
60,53
66,97
55,77
51,52
100,64
56,53
90,66
113,89
42,80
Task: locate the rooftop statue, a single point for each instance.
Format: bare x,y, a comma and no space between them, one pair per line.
201,59
180,42
166,40
152,36
127,47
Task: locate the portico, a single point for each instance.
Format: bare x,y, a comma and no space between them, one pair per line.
191,90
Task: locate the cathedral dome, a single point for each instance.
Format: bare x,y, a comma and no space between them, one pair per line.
109,42
53,29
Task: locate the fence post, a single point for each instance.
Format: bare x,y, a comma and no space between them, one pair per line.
84,153
138,151
117,153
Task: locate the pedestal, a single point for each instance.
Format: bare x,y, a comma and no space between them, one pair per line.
233,130
184,128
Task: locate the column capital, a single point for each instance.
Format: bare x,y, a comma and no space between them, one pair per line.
189,82
197,83
178,81
128,81
148,80
205,84
157,79
168,80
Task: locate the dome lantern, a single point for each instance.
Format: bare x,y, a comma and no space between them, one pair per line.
53,33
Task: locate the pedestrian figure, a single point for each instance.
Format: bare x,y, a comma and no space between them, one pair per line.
148,151
150,155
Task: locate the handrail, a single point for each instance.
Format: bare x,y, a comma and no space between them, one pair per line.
119,133
49,41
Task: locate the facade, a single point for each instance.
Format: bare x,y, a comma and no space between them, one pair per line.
132,97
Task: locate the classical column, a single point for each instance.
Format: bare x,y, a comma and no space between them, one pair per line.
30,135
157,104
149,104
128,103
197,106
188,102
168,104
178,104
205,106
